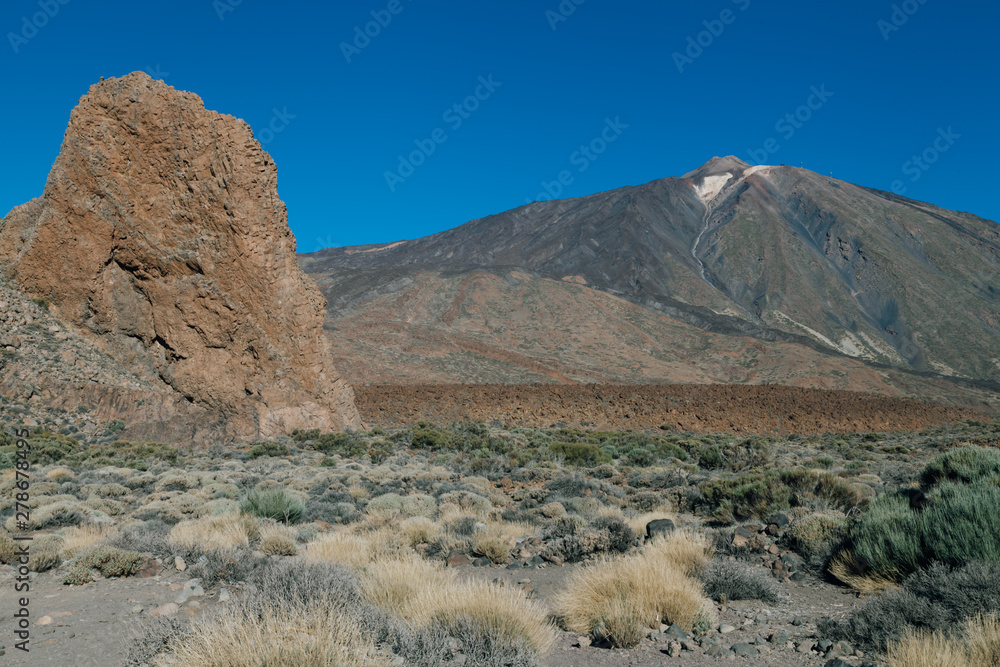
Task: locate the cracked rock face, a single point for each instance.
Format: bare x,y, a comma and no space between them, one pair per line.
160,235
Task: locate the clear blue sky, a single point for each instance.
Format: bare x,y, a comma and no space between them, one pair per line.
557,87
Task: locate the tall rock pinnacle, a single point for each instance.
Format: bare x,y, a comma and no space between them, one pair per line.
160,235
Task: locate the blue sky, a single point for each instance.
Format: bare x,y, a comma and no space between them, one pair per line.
536,84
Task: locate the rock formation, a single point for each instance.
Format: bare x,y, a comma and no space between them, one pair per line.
160,236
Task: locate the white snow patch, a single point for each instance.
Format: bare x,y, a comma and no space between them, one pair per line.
711,186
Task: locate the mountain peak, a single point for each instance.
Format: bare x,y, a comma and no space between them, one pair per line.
718,166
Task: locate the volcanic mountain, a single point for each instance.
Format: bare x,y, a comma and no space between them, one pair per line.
730,273
160,241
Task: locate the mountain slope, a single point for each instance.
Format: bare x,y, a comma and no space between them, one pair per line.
766,254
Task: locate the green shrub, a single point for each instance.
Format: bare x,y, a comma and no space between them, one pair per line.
962,524
274,504
267,449
48,447
727,580
427,436
965,464
580,453
121,454
957,526
886,539
44,559
348,445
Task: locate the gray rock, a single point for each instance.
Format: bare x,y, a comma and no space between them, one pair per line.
674,632
744,650
837,662
824,645
725,629
804,647
659,527
192,589
778,637
716,651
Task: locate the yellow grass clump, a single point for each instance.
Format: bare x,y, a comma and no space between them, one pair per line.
845,568
618,599
57,474
341,548
80,538
418,530
422,592
687,550
978,645
225,531
303,637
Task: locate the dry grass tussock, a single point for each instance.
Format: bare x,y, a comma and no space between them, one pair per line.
497,540
299,637
846,568
356,549
423,592
685,549
978,645
215,533
80,538
618,599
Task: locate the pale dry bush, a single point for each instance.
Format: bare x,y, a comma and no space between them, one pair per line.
846,568
978,645
341,548
982,639
57,474
277,538
610,595
422,592
492,542
927,649
685,549
298,637
80,538
419,530
357,491
214,533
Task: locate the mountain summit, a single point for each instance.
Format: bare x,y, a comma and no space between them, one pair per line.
160,236
846,280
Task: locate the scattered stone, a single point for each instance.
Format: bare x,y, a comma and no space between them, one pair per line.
716,651
192,589
457,559
780,519
778,637
582,642
137,609
180,564
837,662
674,649
797,621
744,650
165,610
725,629
149,568
44,620
224,595
804,647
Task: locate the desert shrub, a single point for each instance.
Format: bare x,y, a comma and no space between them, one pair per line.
964,464
935,599
82,538
727,580
9,549
427,436
349,445
149,537
43,559
225,566
619,533
48,447
489,646
959,525
562,527
267,448
816,537
110,561
57,515
758,494
120,454
467,501
580,453
278,545
149,640
319,509
274,504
